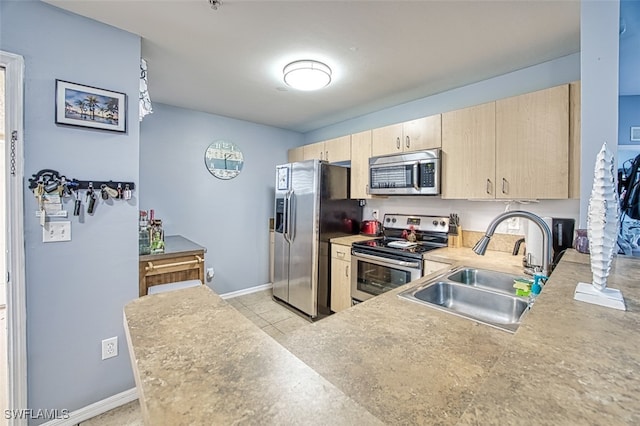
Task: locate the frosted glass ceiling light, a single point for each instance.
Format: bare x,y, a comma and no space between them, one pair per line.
307,75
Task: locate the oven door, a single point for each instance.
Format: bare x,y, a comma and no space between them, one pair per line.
372,275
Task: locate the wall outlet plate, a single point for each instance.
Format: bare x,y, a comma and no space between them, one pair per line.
53,232
110,347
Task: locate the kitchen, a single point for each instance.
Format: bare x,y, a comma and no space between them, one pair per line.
170,123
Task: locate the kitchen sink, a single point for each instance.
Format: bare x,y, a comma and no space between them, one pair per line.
483,278
464,293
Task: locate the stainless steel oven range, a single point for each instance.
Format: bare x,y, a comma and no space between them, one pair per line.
382,264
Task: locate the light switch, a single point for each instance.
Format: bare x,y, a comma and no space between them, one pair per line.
53,232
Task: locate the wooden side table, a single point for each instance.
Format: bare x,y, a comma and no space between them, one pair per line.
182,260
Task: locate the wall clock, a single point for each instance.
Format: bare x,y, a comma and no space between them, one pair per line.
224,159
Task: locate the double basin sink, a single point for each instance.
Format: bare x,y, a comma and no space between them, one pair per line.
481,295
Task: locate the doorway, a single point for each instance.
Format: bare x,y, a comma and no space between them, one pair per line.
4,387
13,364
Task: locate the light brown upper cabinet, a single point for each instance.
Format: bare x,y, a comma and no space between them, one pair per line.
514,148
532,145
314,151
469,152
332,150
414,135
295,154
360,153
338,149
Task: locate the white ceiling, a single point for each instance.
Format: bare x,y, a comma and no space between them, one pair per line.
229,61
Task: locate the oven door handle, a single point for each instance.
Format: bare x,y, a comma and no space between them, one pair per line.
387,260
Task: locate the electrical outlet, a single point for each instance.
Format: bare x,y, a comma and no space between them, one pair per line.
53,232
109,348
513,224
375,213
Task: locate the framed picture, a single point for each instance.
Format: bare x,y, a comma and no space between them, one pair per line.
86,106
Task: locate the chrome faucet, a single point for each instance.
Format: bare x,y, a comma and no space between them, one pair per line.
547,262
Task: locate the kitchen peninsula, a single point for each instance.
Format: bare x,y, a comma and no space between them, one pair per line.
394,361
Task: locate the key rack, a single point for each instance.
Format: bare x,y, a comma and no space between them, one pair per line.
52,179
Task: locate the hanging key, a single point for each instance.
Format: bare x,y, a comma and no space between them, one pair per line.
127,192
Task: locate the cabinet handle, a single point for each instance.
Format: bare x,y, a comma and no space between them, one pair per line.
326,155
504,184
408,142
367,188
340,253
346,271
321,155
398,142
488,186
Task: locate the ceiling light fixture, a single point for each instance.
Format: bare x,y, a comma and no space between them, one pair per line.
307,75
215,4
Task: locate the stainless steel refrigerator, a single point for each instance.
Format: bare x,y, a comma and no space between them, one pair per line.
311,207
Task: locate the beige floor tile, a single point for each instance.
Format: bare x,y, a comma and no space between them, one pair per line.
257,320
263,306
273,332
235,302
245,311
253,298
277,314
291,324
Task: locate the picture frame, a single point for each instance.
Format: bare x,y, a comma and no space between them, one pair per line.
87,106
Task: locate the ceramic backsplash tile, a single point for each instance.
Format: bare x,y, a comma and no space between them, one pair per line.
499,242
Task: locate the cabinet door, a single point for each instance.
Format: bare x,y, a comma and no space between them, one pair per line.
423,133
296,154
360,153
532,145
340,285
338,149
468,152
386,140
314,151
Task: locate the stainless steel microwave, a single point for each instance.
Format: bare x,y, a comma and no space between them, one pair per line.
411,173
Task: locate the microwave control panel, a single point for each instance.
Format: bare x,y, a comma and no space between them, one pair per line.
427,175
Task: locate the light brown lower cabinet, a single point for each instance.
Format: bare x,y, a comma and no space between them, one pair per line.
340,277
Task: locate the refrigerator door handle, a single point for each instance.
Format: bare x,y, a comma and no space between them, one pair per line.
291,216
287,213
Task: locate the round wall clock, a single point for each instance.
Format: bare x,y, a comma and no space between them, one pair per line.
224,159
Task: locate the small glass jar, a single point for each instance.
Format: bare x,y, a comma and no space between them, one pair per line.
581,242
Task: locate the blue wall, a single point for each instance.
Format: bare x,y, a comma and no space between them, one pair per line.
76,290
229,217
628,116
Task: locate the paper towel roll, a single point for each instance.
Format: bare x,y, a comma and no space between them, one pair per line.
533,240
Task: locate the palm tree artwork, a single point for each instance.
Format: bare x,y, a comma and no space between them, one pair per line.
81,105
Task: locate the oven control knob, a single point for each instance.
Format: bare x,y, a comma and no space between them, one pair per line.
388,220
435,223
393,220
443,223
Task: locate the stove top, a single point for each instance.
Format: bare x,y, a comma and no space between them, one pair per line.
408,236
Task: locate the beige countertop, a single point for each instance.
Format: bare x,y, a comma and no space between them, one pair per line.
350,239
568,363
198,361
174,245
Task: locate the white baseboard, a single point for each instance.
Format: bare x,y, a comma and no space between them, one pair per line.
246,291
96,409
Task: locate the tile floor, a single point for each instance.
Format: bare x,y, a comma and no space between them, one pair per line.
259,307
